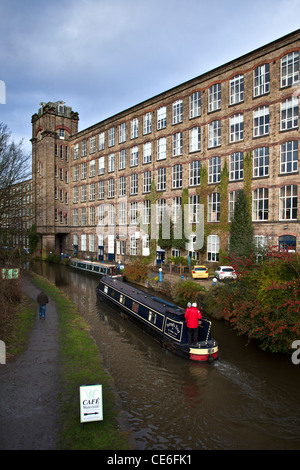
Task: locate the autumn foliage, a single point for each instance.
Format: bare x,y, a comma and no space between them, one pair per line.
264,302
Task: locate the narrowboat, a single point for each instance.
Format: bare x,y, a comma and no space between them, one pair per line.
103,269
161,319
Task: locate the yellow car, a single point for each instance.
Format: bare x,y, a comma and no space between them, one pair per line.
200,272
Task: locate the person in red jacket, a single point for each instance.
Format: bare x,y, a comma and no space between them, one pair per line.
192,317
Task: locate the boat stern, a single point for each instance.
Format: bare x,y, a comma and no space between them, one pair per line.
204,351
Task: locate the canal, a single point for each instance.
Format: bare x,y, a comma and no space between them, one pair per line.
248,399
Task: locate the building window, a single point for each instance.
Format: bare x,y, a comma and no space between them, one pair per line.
111,137
289,114
194,173
101,165
133,184
134,128
160,210
236,89
147,182
147,127
101,216
161,117
111,162
214,129
289,157
92,217
195,139
261,162
161,179
122,186
214,97
260,204
133,246
133,213
75,194
83,216
231,205
101,190
92,191
177,111
75,172
161,148
236,166
75,217
76,151
146,212
213,247
261,80
288,202
261,120
177,177
83,193
122,132
92,168
111,214
177,144
122,159
213,210
83,170
147,152
83,242
176,210
194,209
214,170
236,128
134,156
101,141
290,69
92,144
122,213
111,188
91,242
83,148
195,104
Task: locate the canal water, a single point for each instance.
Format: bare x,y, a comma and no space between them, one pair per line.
248,399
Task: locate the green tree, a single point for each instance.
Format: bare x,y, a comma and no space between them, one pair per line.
241,229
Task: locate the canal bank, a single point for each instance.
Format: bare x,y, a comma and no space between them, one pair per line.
39,389
249,399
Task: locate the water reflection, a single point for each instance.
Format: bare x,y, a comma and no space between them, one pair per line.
247,400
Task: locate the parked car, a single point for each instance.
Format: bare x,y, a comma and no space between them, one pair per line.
200,272
225,272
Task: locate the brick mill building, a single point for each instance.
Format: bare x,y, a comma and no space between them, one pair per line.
234,127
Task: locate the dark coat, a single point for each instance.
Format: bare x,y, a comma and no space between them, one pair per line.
42,299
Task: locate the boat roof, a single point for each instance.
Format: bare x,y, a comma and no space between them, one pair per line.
146,298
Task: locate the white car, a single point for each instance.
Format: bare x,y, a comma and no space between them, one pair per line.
225,272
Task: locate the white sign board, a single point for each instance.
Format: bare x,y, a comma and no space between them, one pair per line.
91,405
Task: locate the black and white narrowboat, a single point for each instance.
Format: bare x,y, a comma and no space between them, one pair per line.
161,319
103,269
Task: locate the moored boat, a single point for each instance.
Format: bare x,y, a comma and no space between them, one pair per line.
163,320
103,269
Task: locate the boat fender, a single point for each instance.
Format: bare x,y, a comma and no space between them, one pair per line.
210,358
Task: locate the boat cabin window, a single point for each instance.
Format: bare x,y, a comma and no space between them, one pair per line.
105,289
152,317
122,299
135,307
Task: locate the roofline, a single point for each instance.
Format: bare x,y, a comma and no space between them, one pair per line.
288,38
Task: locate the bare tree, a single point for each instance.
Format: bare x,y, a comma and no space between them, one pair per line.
14,169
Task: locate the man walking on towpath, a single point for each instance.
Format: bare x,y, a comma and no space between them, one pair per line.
42,300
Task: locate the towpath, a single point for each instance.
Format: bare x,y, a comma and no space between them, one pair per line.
29,387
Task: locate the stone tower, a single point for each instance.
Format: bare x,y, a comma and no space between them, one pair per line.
52,128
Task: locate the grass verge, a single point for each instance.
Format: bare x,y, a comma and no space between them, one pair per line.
80,364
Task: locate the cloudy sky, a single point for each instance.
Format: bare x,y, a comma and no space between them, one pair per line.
103,56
